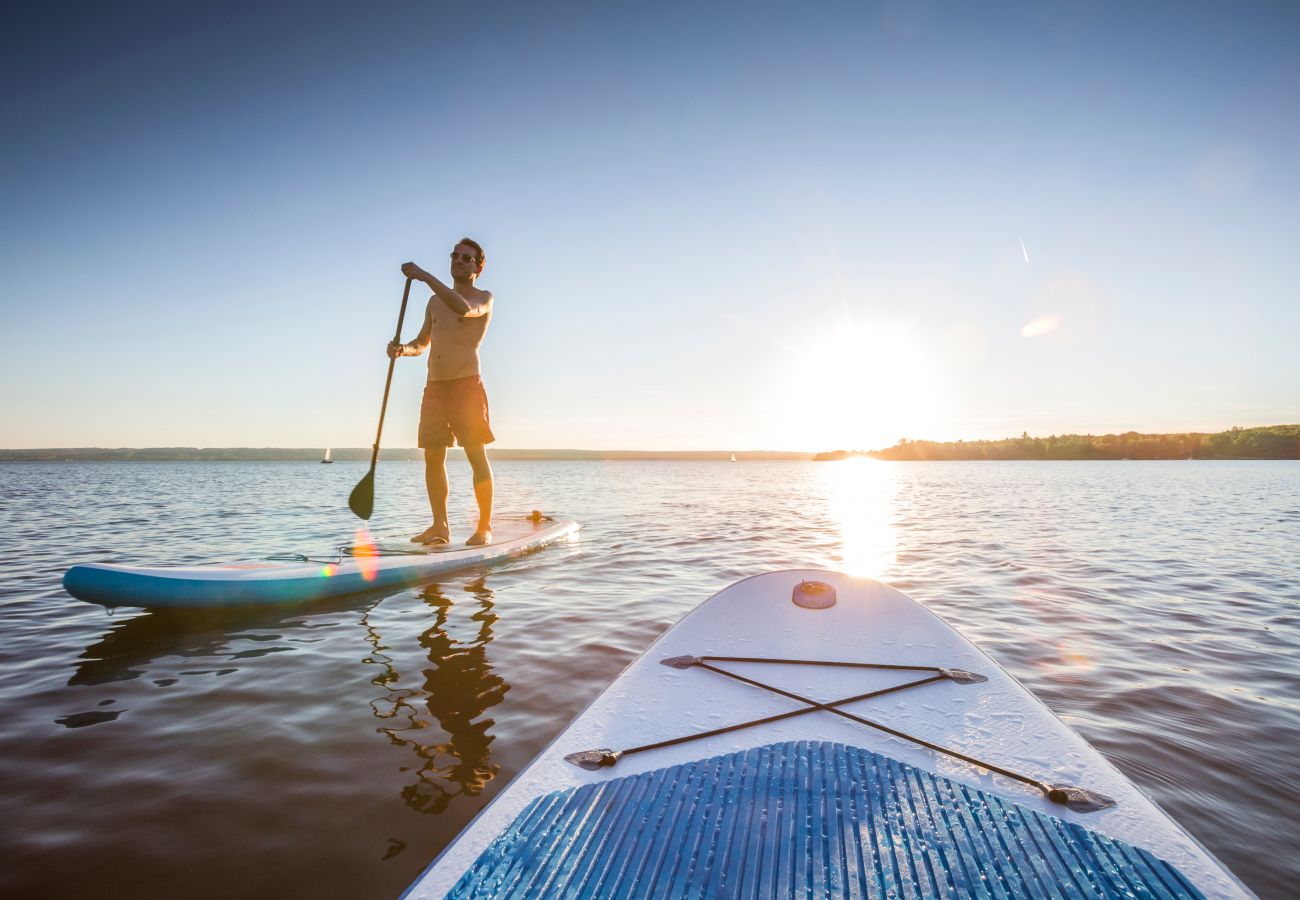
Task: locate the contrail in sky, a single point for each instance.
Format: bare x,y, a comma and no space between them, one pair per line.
1023,250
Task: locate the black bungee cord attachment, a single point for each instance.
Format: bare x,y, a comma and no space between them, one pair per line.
1075,798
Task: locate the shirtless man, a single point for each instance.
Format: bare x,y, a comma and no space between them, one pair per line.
455,407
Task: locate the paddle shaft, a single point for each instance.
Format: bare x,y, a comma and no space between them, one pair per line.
388,382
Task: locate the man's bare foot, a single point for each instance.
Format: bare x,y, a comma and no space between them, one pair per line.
479,538
434,534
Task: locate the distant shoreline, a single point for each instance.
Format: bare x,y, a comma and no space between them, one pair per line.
354,454
1268,442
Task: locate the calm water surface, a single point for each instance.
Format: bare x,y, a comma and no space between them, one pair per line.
333,750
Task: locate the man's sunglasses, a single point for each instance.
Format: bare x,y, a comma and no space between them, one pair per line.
463,257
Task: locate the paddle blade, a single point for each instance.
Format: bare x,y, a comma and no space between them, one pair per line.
362,499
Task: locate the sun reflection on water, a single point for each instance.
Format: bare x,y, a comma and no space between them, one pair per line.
862,494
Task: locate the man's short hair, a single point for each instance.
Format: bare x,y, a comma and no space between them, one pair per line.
470,242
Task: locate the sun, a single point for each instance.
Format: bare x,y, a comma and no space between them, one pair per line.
860,388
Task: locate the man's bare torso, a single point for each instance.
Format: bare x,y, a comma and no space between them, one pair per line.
454,341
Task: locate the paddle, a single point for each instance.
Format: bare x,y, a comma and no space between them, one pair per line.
362,499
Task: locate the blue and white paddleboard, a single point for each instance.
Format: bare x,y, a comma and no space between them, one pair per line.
289,581
830,797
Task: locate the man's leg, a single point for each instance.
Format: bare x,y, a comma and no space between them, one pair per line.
435,482
478,461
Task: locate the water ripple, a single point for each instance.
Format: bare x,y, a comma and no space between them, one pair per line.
333,750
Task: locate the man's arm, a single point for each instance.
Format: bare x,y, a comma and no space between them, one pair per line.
461,306
415,347
478,306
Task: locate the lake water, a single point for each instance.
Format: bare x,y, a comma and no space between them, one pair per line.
333,750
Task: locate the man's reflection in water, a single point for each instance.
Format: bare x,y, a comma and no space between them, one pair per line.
459,686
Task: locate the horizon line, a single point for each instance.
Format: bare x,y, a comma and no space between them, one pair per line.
322,448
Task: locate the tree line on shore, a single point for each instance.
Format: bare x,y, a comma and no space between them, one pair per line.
1269,442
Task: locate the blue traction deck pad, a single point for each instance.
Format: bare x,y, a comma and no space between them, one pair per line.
803,819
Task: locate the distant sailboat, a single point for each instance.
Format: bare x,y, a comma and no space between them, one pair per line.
733,457
327,456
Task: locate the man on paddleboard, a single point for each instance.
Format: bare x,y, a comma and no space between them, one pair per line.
455,406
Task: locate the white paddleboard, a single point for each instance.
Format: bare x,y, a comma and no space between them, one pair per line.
817,803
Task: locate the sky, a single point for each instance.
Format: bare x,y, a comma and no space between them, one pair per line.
785,226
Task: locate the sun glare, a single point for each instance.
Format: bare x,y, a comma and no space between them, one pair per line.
862,496
860,389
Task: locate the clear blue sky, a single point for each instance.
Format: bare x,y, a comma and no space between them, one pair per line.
767,225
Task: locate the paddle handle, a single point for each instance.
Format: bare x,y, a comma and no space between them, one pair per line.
388,382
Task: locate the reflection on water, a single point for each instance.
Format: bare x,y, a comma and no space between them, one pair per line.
129,649
459,686
1147,603
862,495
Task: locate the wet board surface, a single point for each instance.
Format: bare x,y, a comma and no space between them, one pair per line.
815,804
283,582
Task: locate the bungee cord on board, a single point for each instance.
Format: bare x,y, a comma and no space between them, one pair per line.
1075,798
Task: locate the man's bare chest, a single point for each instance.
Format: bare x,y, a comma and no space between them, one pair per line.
447,326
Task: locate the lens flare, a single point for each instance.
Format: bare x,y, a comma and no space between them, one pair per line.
1040,326
1074,659
366,554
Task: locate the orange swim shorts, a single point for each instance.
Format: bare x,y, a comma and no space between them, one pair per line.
455,412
